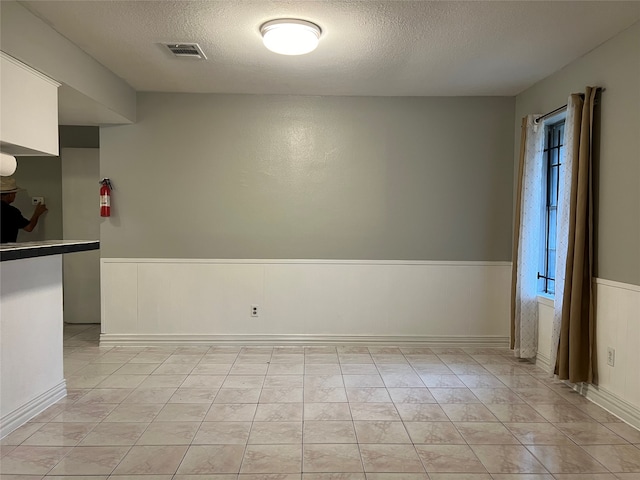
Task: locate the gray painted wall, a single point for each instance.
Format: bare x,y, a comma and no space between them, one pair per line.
40,177
251,176
614,65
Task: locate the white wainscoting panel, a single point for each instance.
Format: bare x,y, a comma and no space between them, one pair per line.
151,301
618,327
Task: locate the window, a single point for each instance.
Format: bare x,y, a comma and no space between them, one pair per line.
552,155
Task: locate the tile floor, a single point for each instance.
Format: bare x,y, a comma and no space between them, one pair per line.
314,413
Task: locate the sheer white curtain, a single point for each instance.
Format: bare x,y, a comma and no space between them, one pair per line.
527,242
562,228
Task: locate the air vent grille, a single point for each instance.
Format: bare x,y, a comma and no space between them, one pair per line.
189,50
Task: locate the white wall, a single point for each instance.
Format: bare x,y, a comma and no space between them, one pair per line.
31,373
150,301
81,221
617,315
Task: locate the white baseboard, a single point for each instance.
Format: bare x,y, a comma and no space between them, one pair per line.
23,414
543,361
610,402
141,340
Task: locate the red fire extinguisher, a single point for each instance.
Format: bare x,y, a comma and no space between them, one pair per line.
105,197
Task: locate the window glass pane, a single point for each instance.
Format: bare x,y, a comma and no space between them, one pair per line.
551,287
552,228
553,187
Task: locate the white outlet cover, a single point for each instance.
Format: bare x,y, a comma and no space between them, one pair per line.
37,200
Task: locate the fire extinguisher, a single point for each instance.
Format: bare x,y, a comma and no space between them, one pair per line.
105,197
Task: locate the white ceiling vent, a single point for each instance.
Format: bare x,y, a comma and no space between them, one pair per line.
189,50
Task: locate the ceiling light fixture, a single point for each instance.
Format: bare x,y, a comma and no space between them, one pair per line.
289,36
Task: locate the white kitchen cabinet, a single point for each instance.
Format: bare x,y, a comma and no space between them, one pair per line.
29,109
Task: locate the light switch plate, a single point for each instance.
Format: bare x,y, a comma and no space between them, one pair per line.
37,200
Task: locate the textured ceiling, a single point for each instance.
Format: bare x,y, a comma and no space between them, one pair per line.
367,47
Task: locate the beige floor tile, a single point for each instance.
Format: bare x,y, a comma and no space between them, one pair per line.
194,395
329,394
453,395
617,458
164,381
249,369
441,433
468,412
279,412
169,433
114,434
371,380
273,433
238,395
137,368
281,395
590,434
565,459
497,395
28,460
122,381
242,381
411,395
329,432
374,411
285,369
586,476
472,476
322,369
90,461
562,413
627,432
507,459
327,411
283,381
449,458
332,458
231,412
272,459
174,369
223,433
538,434
368,395
358,369
517,413
396,476
481,381
211,369
421,412
85,381
151,460
390,458
60,434
182,412
149,395
323,381
598,413
85,413
105,395
134,413
480,433
210,459
20,434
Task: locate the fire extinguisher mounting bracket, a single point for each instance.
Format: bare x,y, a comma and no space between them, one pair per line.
106,181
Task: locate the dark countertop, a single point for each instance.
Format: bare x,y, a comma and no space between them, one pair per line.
17,251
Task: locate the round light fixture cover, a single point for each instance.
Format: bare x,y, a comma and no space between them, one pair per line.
8,164
289,36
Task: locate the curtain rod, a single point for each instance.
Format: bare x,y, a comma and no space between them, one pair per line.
559,109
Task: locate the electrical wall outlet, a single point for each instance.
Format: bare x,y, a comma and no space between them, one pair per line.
37,200
611,356
254,311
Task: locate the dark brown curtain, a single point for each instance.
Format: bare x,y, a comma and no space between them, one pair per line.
516,235
576,359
